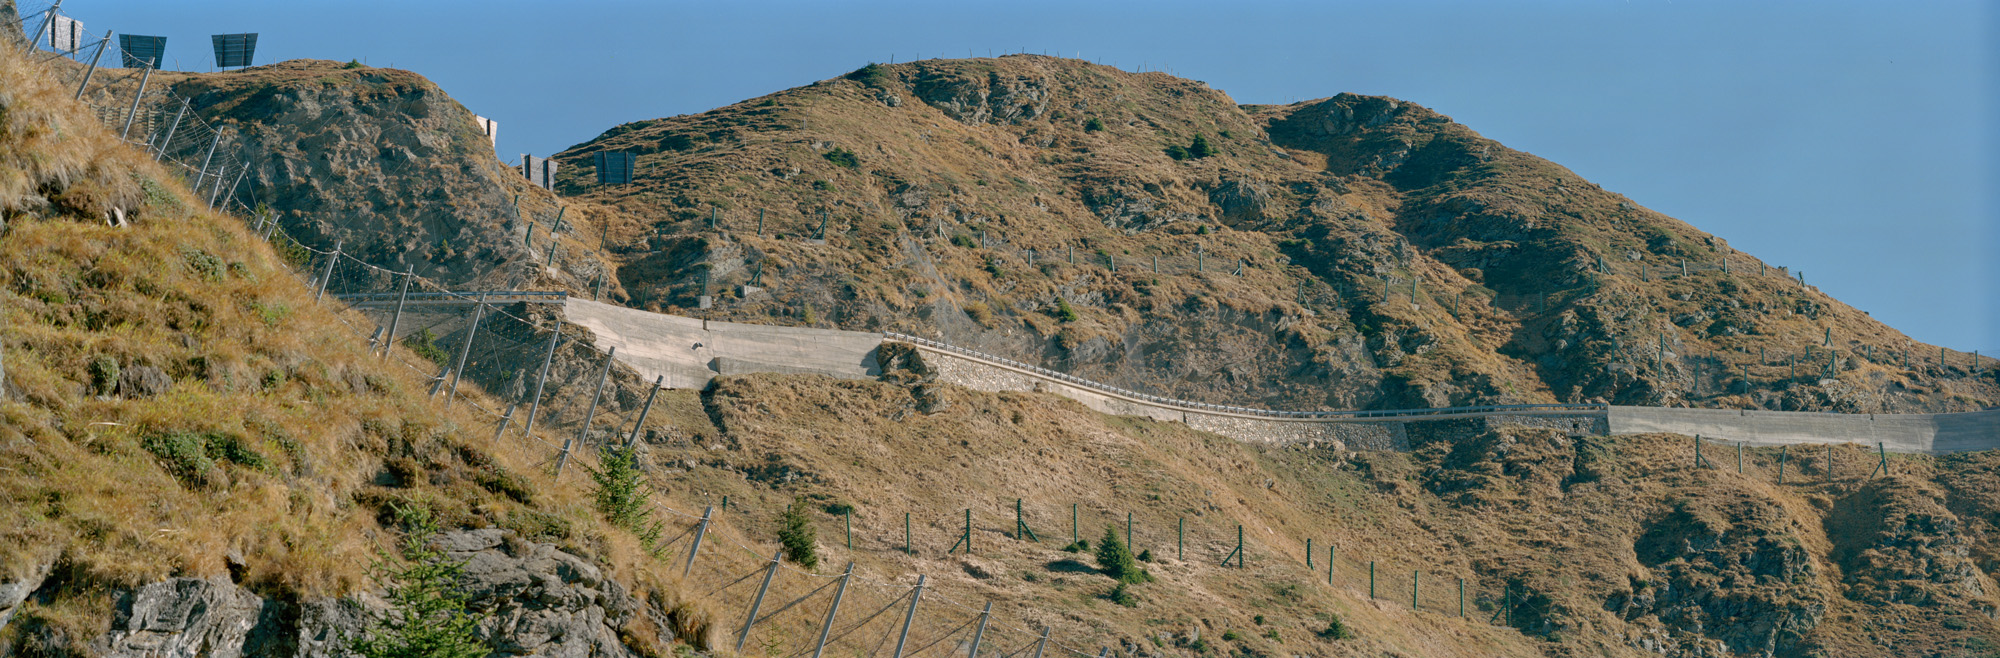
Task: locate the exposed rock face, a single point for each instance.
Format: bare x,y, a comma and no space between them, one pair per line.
975,99
184,618
12,31
541,601
380,159
143,382
544,602
1726,575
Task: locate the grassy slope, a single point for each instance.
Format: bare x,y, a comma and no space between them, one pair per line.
1399,191
1581,528
308,439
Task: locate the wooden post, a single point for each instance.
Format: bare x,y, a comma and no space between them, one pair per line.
1782,450
535,405
133,113
321,291
838,593
609,358
980,634
702,531
758,603
910,615
465,351
760,222
641,423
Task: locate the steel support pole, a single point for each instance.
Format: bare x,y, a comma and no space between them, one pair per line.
465,350
328,276
216,191
206,160
397,319
48,18
602,376
657,381
535,405
169,141
1371,580
562,458
133,113
758,603
819,648
910,616
504,422
1042,643
93,65
702,531
240,173
1416,577
980,634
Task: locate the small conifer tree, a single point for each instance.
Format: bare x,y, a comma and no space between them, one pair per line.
1114,558
428,616
798,535
1200,147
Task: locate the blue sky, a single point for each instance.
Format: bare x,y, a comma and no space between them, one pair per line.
1855,141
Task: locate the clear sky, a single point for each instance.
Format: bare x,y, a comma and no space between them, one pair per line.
1854,141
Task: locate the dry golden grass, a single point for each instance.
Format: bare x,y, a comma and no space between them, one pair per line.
321,435
1521,515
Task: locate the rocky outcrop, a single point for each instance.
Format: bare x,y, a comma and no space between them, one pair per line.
1724,577
976,99
537,600
379,159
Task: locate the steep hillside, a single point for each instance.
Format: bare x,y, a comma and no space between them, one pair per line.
1389,256
1609,546
387,164
183,430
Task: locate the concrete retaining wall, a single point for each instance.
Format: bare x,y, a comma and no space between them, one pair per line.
1922,433
689,352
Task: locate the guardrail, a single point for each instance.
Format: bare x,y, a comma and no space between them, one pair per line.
1268,413
458,296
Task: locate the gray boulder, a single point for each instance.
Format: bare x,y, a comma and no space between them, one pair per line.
143,382
13,592
183,617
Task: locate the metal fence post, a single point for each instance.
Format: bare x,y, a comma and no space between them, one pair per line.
1309,553
397,319
535,405
240,174
1128,531
980,634
48,17
609,359
838,593
206,160
1782,453
1416,576
1329,565
328,276
1371,580
93,65
1180,539
562,458
134,112
910,615
164,143
465,351
758,603
504,422
657,381
702,531
1040,644
907,550
1461,598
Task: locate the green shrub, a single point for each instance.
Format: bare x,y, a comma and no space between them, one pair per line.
1114,558
618,488
963,240
1146,555
822,186
183,456
1093,125
873,75
1063,310
1200,147
842,157
1335,629
1177,152
1231,635
1122,596
839,509
103,375
352,64
1258,620
796,532
1077,546
428,603
1271,633
1198,645
424,343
